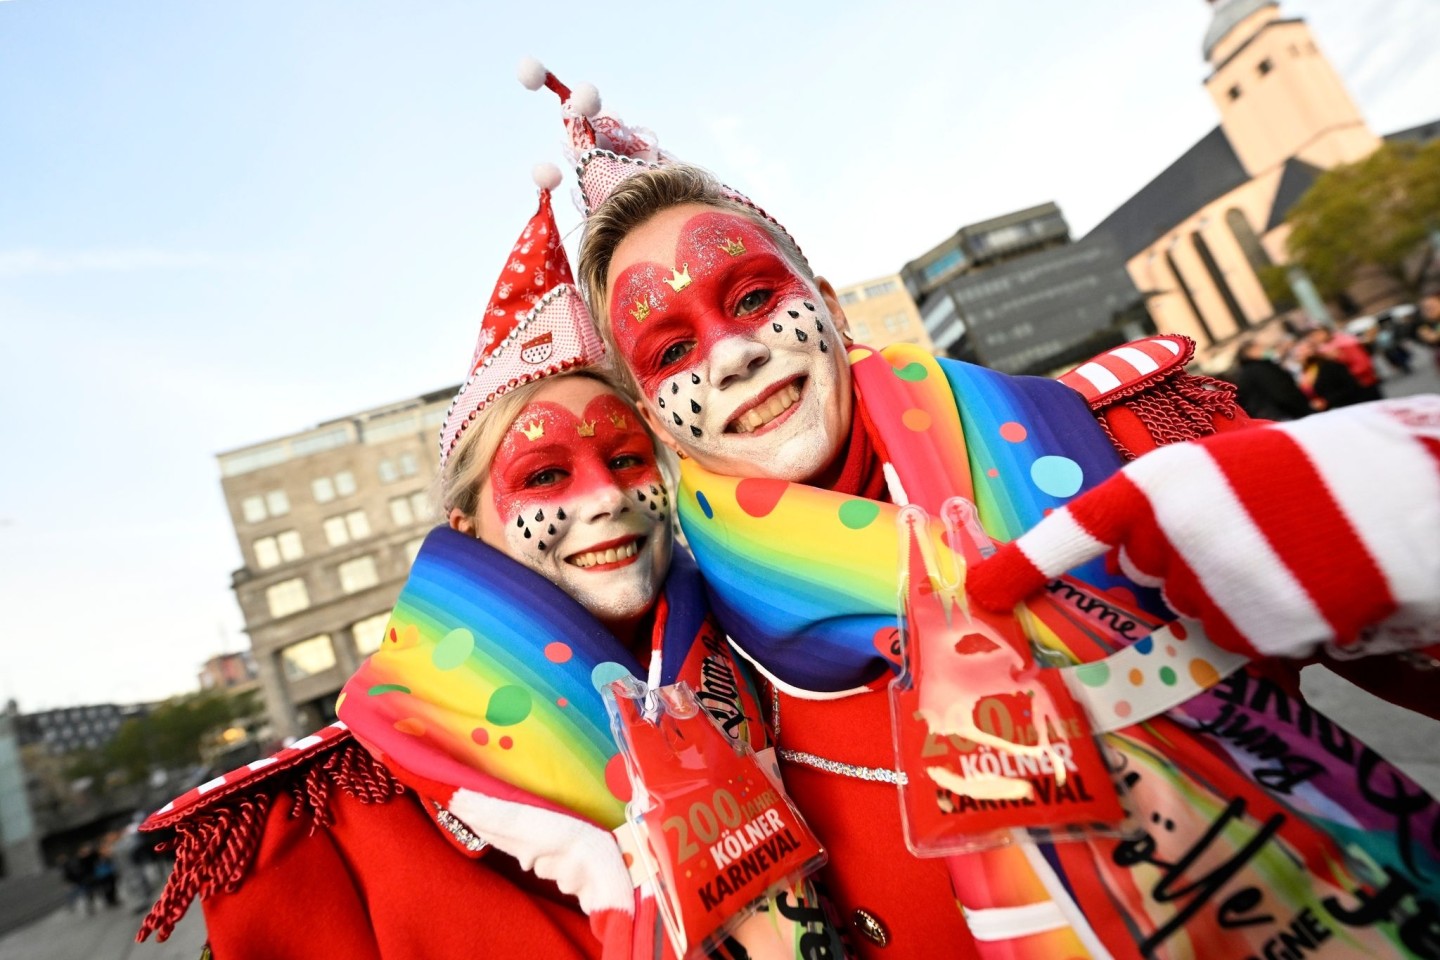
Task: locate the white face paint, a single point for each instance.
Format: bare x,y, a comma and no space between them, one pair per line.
743,364
575,494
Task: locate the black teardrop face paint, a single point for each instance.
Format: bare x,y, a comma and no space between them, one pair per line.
560,514
539,515
823,348
695,431
819,325
776,327
695,379
640,495
809,306
794,314
551,531
661,401
801,335
694,407
527,533
674,388
542,544
678,421
519,521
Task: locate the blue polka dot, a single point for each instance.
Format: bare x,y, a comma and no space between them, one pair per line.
704,505
606,673
1057,476
1144,645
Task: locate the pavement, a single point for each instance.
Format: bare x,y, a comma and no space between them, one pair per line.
69,933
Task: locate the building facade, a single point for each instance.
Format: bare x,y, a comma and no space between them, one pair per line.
67,729
1016,294
1197,237
19,838
880,312
328,521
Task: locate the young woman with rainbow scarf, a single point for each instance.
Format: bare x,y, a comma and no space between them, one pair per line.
1268,831
471,799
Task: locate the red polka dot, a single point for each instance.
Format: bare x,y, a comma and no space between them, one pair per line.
992,472
617,779
915,419
1013,432
757,496
1122,709
1178,630
480,735
506,743
562,702
557,652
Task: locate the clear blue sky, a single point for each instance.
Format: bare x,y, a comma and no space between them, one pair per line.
220,222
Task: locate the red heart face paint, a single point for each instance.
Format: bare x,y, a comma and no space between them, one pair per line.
734,349
574,493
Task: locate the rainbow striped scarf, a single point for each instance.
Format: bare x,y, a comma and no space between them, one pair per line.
1262,819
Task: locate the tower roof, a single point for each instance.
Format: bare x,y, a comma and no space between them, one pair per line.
1228,15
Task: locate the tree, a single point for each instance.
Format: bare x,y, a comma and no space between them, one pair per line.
1381,212
168,737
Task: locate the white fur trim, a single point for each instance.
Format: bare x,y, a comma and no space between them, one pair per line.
547,176
531,73
585,99
583,860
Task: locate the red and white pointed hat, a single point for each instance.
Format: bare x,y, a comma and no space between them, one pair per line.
535,324
606,151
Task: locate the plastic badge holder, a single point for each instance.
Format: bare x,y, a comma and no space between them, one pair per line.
718,833
989,740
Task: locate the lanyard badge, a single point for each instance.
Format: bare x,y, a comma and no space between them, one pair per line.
989,741
719,833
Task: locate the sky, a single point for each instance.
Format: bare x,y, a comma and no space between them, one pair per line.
223,222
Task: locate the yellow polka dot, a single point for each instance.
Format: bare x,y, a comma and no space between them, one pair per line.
339,702
1203,674
860,353
1136,677
407,636
916,419
411,725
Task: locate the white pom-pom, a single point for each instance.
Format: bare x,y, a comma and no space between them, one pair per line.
547,176
531,73
585,99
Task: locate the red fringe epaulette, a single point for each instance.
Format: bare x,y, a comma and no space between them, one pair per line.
1148,378
214,831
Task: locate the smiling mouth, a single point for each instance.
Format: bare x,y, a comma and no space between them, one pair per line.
608,556
769,409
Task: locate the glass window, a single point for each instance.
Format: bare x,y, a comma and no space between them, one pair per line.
387,471
849,297
336,533
277,503
944,265
290,546
308,657
358,574
344,483
420,506
370,633
880,289
323,488
267,553
896,322
253,509
287,597
358,524
412,548
400,511
409,466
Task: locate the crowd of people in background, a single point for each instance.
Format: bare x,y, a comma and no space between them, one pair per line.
93,871
1306,368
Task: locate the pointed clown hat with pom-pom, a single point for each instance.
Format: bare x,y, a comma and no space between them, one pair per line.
607,152
535,324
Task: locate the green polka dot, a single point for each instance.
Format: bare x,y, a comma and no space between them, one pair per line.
1093,674
508,706
1167,676
454,649
380,688
913,371
859,514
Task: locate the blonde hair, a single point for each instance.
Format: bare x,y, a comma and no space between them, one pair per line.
633,203
469,463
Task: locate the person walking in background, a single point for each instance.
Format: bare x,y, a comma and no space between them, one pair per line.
1267,391
1427,325
1327,382
1349,351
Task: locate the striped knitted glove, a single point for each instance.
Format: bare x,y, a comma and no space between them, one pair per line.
1278,538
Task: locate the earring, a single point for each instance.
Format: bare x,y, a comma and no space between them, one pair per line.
845,335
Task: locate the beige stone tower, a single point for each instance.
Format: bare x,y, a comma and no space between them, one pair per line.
1278,96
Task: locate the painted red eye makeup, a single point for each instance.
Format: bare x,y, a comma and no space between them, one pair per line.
727,274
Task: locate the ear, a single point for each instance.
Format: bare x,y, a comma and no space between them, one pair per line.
832,303
657,428
461,523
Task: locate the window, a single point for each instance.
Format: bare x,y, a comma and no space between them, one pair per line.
848,297
409,466
400,511
323,488
287,596
358,574
880,289
369,633
277,503
420,506
358,524
290,546
388,472
1235,92
253,509
897,322
346,527
308,657
412,548
267,553
1266,66
936,270
336,533
344,483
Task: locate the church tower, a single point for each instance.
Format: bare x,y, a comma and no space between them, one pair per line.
1278,96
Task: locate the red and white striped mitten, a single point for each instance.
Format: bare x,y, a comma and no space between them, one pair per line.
1278,538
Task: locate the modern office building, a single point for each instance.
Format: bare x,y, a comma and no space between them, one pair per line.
880,312
1015,294
67,729
1197,236
328,521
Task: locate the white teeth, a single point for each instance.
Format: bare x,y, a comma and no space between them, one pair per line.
592,558
756,417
